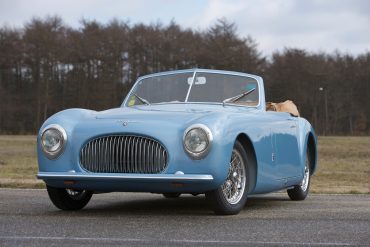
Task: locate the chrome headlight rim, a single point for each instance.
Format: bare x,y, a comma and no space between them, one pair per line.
55,154
203,153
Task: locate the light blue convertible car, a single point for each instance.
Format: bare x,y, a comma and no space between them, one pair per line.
190,131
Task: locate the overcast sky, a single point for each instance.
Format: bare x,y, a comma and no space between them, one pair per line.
314,25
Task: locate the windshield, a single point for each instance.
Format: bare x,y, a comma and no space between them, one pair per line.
201,87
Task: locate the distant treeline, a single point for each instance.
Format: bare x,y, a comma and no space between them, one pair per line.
47,66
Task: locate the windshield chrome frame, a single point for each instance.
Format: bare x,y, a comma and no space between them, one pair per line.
261,98
191,85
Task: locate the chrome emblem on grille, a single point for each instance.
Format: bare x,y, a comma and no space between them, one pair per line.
124,124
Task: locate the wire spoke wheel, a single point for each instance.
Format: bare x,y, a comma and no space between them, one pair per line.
231,196
76,194
300,191
234,186
306,177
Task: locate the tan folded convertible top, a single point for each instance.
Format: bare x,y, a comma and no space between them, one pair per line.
286,106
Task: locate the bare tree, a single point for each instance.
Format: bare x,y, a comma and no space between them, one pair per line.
47,66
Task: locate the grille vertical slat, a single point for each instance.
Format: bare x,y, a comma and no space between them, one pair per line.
108,152
116,138
112,153
152,157
140,155
105,152
156,153
95,152
91,148
129,155
135,154
106,146
148,157
100,152
120,154
123,154
144,152
101,148
155,156
132,154
164,157
83,153
88,153
109,156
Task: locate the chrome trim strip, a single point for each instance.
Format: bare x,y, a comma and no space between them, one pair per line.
191,85
106,176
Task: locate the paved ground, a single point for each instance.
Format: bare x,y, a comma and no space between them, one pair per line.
27,218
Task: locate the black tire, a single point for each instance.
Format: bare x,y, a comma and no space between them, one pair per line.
300,192
172,195
66,199
217,198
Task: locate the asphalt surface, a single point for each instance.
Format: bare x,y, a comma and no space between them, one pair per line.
27,218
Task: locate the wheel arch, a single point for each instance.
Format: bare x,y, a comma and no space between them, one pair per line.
252,161
312,148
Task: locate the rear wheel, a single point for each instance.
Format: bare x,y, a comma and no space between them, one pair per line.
231,196
69,199
300,192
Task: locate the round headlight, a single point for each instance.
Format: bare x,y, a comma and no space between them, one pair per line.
197,141
53,140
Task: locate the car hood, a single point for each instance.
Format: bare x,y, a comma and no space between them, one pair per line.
163,122
164,116
175,113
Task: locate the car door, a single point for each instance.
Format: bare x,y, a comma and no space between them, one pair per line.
285,146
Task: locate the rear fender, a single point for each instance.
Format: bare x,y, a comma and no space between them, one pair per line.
307,139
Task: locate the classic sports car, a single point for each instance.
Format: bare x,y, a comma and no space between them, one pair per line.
189,131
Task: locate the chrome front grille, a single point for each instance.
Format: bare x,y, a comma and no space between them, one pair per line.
123,154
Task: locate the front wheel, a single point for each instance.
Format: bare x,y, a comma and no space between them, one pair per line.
300,192
171,195
231,196
69,199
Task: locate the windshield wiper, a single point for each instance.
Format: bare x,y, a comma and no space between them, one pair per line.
141,99
237,97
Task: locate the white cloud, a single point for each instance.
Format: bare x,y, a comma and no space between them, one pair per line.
314,25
